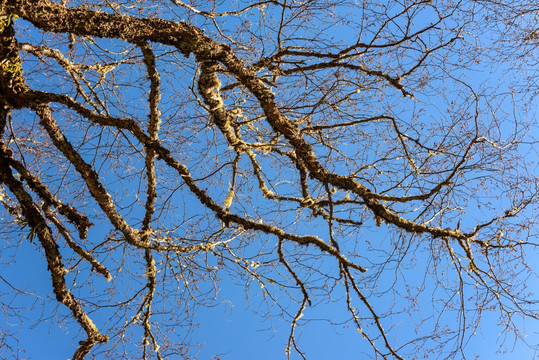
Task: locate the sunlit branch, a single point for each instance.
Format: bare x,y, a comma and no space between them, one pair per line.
72,69
375,316
96,265
41,230
80,221
91,178
153,128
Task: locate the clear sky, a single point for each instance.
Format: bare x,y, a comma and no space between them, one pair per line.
236,325
231,330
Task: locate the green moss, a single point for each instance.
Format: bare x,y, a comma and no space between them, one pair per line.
11,74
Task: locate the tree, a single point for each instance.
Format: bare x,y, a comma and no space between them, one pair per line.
312,151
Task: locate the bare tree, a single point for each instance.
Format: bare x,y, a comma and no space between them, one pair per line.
363,153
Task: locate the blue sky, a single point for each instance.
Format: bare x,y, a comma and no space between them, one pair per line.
231,330
236,324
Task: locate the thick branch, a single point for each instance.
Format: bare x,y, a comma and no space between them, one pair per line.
91,178
189,39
